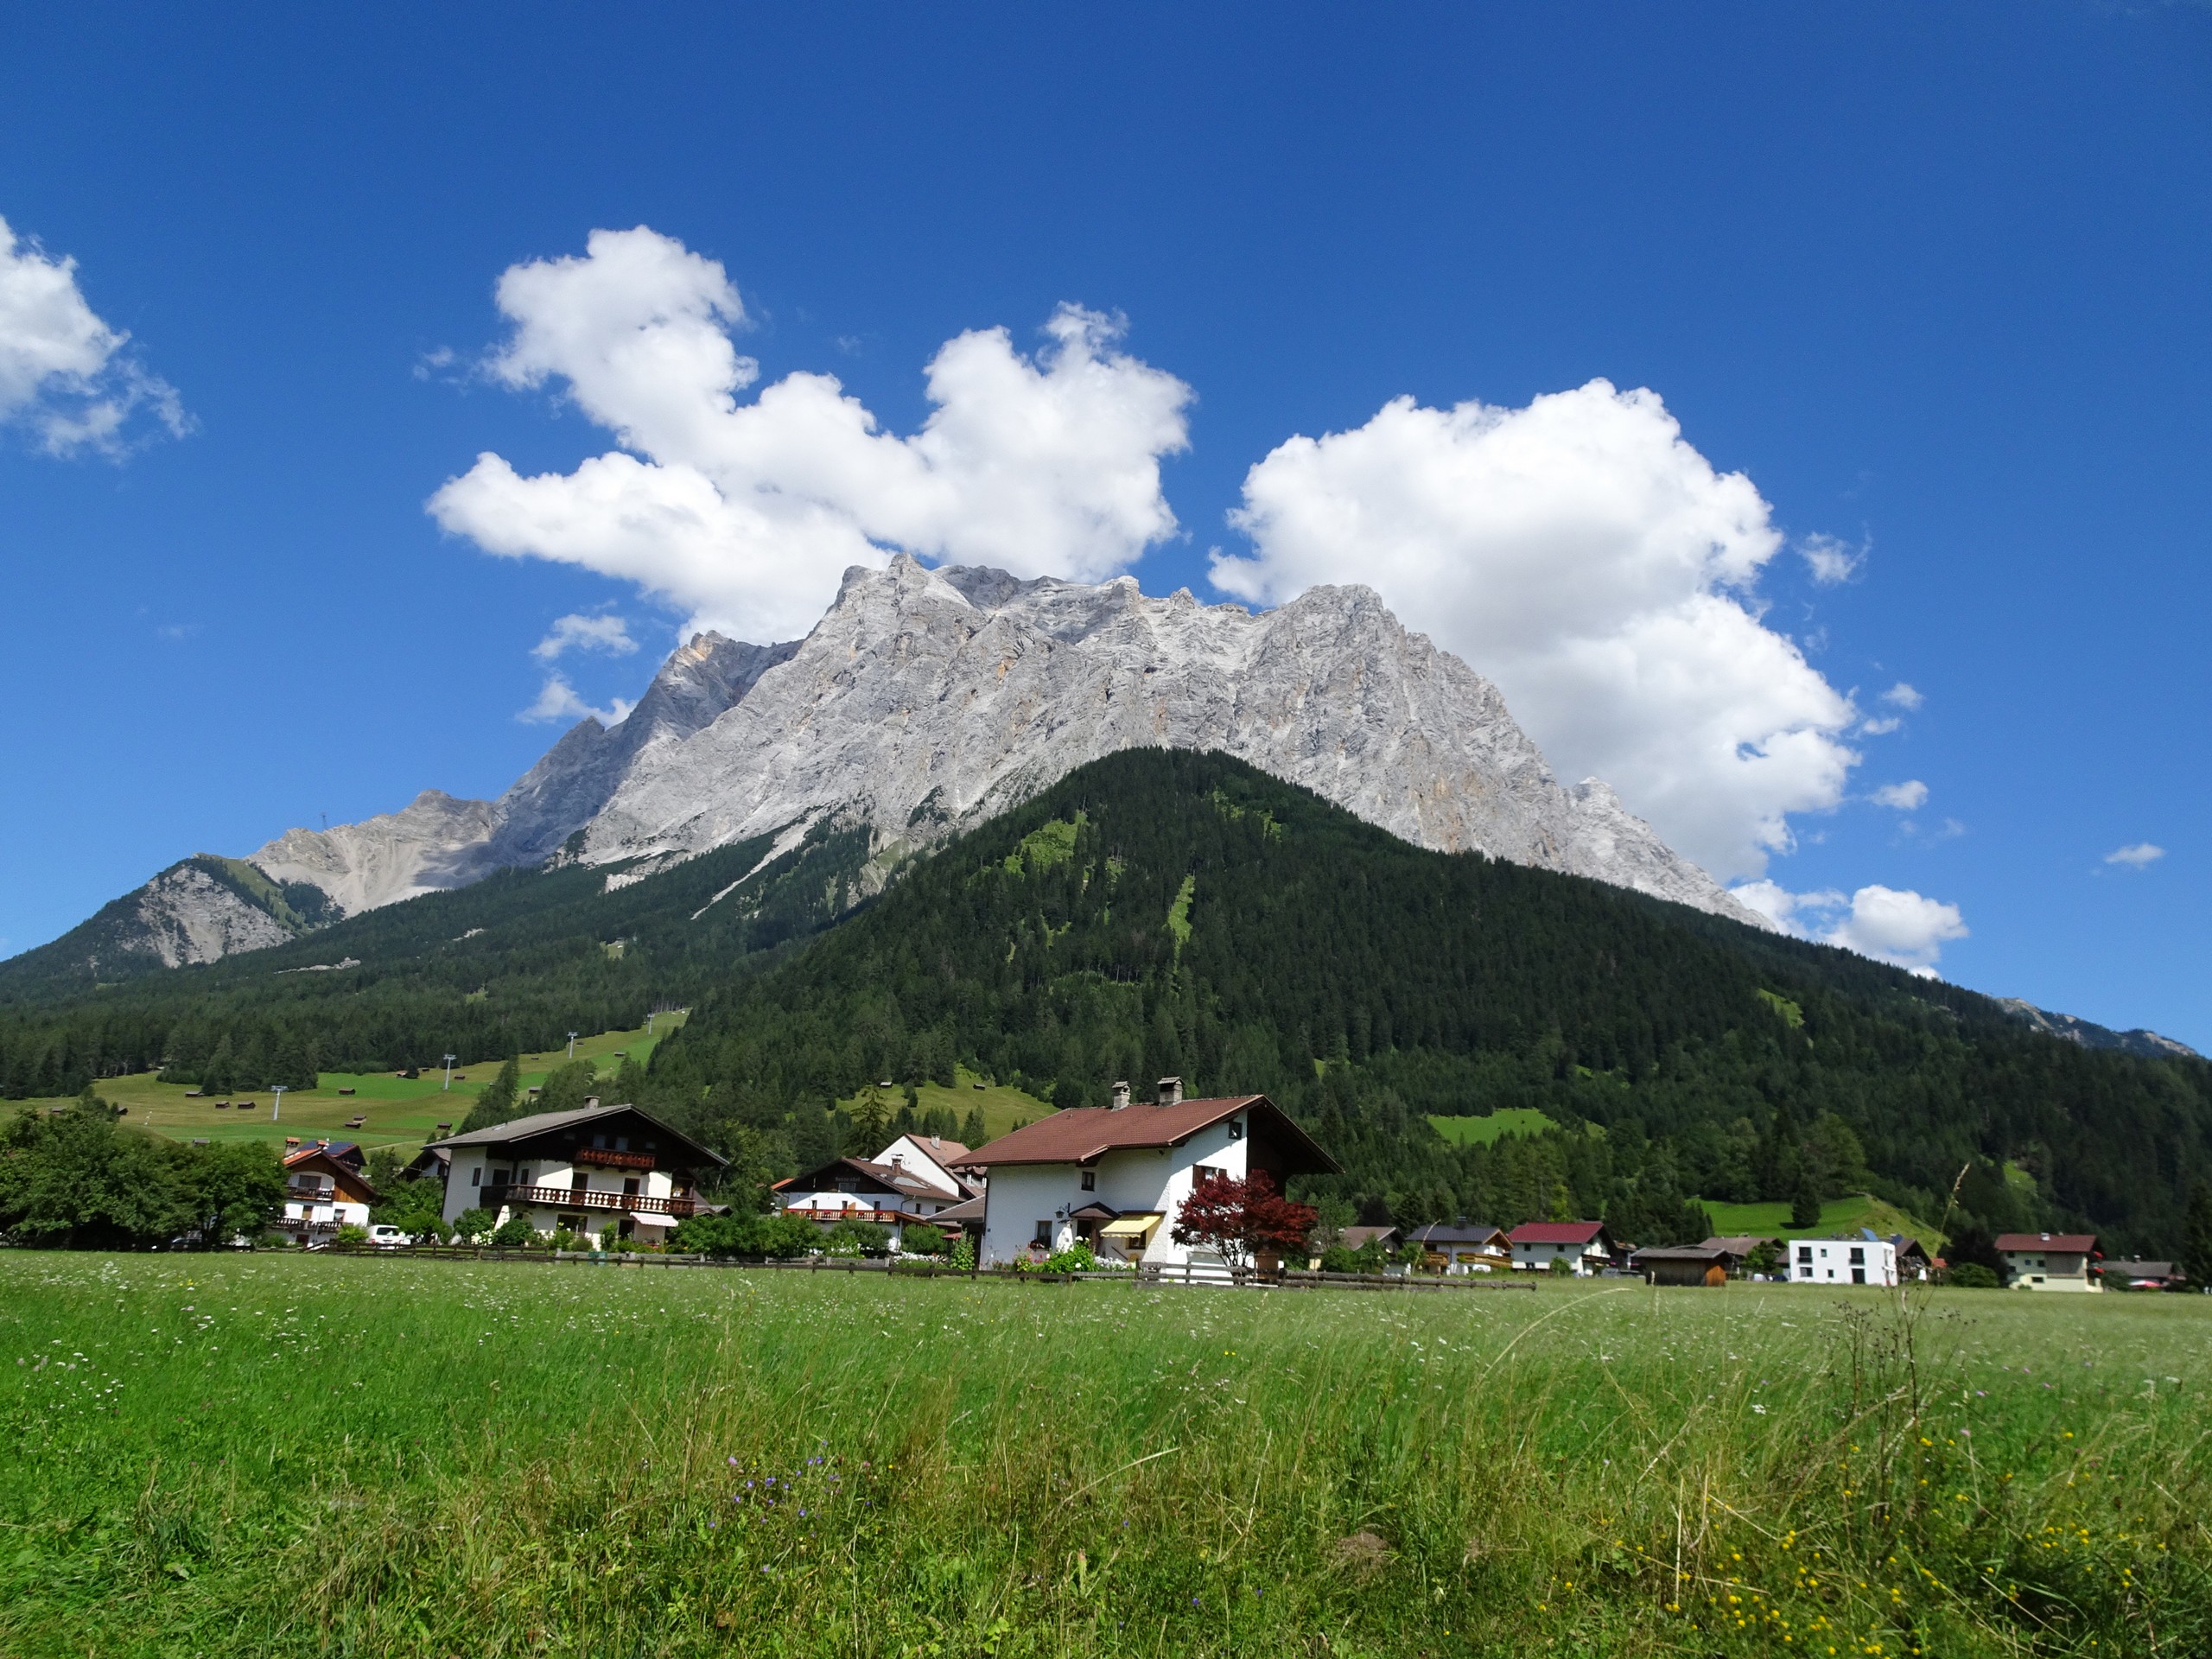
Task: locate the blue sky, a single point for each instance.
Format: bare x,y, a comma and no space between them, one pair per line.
1932,279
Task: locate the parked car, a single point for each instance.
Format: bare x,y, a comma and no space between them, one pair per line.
386,1236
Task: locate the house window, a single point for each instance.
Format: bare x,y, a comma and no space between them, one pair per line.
476,1176
1858,1256
600,1141
1044,1234
1091,1181
621,1143
1859,1275
1804,1252
1202,1172
1236,1129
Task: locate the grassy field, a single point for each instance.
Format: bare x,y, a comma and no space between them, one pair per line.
400,1110
1840,1218
1003,1107
1489,1129
273,1455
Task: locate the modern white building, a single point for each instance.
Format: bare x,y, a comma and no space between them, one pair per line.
1864,1261
579,1170
2050,1260
1115,1175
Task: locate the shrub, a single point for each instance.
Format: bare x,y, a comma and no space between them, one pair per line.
780,1235
1972,1275
963,1255
610,1236
1077,1258
514,1233
922,1241
1561,1267
1369,1257
273,1240
472,1224
349,1234
854,1238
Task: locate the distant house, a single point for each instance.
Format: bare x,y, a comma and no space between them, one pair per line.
579,1170
858,1190
1464,1245
1685,1264
325,1189
1115,1175
947,1163
1864,1261
2132,1273
2049,1261
1914,1263
1355,1238
1584,1246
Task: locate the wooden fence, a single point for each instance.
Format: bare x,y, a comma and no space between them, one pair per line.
1146,1275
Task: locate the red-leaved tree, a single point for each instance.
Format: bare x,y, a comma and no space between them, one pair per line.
1238,1218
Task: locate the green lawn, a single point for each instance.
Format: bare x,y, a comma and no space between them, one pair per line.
284,1455
1487,1130
1840,1218
400,1110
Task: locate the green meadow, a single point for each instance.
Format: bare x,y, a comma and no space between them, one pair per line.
293,1455
400,1110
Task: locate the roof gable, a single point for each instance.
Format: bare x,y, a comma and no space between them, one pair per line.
1084,1134
518,1129
1557,1232
2051,1243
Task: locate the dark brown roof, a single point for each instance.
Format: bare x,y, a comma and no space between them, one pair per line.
891,1178
1353,1238
1084,1134
523,1128
2054,1243
969,1210
1740,1243
1682,1253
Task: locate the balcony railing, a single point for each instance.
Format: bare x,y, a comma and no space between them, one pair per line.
587,1197
607,1158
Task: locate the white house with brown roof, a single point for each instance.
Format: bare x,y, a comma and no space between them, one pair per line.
1584,1246
934,1158
1114,1175
325,1189
2049,1261
859,1189
579,1170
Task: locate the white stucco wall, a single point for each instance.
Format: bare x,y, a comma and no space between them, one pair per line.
1021,1195
1828,1262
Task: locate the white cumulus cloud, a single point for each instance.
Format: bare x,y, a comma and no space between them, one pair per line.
746,513
1588,560
1906,929
558,701
1908,797
2141,855
66,375
1902,697
572,633
1831,560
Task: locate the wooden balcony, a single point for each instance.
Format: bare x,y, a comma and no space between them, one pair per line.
594,1197
605,1158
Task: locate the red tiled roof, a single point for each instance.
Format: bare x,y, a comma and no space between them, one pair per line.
2056,1244
1086,1133
1557,1232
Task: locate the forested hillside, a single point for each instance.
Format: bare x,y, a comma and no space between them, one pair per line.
513,962
1165,913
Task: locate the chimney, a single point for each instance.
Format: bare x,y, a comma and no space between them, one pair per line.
1121,1098
1171,1091
591,1103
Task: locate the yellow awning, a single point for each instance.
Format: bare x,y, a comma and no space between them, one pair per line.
1130,1227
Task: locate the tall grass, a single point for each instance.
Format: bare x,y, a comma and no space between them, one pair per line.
269,1455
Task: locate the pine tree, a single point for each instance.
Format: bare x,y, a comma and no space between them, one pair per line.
972,1132
2196,1237
1805,1202
498,1104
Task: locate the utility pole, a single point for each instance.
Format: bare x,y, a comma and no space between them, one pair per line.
572,1045
448,1073
276,1105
